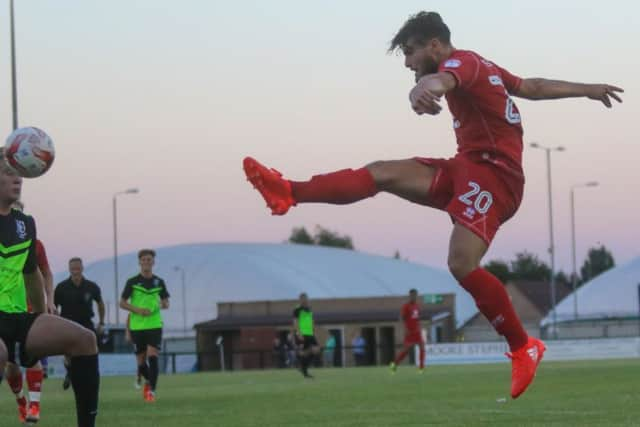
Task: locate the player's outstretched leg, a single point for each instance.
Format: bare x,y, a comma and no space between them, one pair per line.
465,252
409,179
51,335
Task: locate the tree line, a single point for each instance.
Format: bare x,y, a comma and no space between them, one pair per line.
525,266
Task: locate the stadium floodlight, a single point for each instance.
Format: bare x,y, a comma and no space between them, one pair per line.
552,281
573,243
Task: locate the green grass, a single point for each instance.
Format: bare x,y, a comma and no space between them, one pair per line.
602,393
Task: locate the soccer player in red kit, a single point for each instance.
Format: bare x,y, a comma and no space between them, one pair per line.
410,315
480,187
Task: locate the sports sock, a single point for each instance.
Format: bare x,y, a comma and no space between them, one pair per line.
85,379
422,355
15,384
400,357
143,370
34,384
494,303
340,188
153,372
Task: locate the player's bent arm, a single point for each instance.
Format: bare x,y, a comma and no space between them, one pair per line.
101,312
426,94
164,303
34,286
124,304
48,289
539,88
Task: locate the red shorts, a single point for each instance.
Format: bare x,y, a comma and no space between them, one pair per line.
477,191
413,338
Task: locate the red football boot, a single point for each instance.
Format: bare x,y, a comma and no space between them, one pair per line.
524,363
275,190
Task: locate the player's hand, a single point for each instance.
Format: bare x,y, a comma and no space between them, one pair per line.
144,312
603,92
51,308
424,101
100,329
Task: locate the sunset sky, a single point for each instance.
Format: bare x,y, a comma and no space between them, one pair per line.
169,96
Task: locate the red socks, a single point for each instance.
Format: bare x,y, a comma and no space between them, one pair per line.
15,384
34,384
339,188
494,303
400,357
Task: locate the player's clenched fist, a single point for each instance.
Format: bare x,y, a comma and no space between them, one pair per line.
423,101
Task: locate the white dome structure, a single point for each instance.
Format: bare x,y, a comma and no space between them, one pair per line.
235,272
612,294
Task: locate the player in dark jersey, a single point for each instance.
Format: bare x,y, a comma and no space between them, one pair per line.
303,330
29,411
410,316
144,296
480,188
38,334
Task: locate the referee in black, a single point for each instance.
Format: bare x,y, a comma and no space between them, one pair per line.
74,299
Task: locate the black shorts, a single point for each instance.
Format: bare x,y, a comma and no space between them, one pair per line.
146,337
14,328
309,341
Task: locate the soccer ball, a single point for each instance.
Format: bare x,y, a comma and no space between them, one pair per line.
29,151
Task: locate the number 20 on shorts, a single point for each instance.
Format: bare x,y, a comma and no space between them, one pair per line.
480,199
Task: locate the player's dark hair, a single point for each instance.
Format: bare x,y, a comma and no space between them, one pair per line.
303,295
143,252
422,26
413,291
75,259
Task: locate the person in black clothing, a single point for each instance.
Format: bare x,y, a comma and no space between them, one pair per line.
74,298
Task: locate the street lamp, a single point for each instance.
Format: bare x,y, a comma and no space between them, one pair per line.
552,281
14,89
115,247
573,243
184,297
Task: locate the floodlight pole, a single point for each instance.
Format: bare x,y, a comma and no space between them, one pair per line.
14,88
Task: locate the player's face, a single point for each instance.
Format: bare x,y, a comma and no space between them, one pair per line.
413,297
304,300
146,263
420,57
75,268
10,185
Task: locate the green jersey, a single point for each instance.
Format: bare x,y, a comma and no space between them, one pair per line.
305,320
146,293
17,256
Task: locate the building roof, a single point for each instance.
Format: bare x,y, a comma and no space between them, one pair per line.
216,272
539,293
612,294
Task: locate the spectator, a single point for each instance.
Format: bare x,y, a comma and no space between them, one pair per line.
359,349
329,350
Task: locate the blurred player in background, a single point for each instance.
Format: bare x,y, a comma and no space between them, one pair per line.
144,296
410,316
304,333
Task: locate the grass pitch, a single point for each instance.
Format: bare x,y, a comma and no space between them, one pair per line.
600,393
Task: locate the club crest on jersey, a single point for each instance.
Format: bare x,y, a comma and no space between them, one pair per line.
21,229
453,63
469,212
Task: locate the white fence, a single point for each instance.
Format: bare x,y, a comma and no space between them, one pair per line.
493,352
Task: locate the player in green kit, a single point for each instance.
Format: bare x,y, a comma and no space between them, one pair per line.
303,329
144,296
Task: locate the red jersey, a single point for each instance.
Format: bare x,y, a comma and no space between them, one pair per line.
411,316
485,119
43,263
41,256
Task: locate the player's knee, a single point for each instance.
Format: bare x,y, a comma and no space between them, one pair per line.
382,175
86,343
461,264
